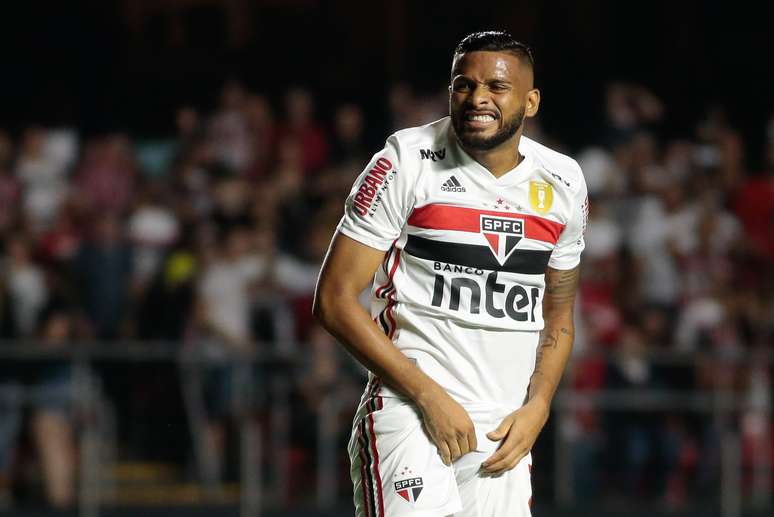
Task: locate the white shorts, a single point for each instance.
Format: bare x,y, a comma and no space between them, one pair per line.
396,469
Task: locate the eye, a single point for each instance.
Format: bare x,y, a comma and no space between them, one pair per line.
499,87
461,86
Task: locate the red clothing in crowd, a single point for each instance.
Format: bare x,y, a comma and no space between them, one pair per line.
314,145
755,208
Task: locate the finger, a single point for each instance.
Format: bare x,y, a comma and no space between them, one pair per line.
510,463
520,457
472,441
443,452
462,442
454,448
507,463
501,430
497,456
509,444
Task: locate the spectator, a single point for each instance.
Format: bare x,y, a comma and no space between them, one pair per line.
10,190
223,325
106,175
647,449
152,229
52,424
228,130
41,167
27,290
754,204
59,245
263,136
348,147
302,127
189,127
104,269
48,386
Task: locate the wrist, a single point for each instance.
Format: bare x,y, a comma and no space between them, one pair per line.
426,393
540,402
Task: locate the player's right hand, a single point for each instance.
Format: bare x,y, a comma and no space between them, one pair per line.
448,424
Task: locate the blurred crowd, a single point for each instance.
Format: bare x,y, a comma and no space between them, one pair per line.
680,246
211,239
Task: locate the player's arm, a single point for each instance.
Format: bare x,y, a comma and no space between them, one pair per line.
348,269
521,428
557,336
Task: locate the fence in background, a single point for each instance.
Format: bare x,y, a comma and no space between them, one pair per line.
97,435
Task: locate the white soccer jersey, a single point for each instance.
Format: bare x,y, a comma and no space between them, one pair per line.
460,290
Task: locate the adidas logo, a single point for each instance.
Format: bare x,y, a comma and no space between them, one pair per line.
452,185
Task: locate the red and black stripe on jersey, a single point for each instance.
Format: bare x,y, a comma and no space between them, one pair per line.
455,218
386,318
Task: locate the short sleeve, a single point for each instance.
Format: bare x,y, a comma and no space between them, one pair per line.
566,254
381,199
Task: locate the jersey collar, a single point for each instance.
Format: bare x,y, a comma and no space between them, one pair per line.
514,176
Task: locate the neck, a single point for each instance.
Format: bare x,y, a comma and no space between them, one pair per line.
501,159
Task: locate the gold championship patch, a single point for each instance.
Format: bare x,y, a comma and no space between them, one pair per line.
541,195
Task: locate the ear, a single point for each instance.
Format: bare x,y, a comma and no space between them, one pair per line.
532,103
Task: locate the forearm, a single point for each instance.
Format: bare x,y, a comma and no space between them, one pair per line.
553,352
555,343
352,326
348,268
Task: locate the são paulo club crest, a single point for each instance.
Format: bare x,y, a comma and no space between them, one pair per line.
409,487
502,234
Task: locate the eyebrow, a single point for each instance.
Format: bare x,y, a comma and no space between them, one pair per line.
488,81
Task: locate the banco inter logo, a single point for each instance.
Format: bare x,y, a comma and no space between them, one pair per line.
502,234
452,185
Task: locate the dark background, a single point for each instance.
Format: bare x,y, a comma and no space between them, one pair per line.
127,65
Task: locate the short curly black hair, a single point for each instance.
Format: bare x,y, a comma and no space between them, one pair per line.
495,41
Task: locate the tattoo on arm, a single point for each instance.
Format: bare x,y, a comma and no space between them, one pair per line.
558,303
561,285
548,341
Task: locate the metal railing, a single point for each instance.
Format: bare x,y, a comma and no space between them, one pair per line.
256,493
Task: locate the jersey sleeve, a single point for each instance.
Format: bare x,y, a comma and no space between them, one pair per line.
381,199
566,254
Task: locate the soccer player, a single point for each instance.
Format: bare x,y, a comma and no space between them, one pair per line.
472,235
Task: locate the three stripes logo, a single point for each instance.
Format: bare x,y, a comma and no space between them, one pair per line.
452,185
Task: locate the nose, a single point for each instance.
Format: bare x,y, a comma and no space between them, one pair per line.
480,96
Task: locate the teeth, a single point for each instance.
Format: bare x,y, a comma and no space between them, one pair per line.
481,118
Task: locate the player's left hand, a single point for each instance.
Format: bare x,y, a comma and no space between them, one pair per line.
518,432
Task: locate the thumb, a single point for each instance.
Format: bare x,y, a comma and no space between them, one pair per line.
501,431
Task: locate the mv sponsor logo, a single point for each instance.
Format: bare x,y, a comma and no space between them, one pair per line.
452,185
427,154
502,234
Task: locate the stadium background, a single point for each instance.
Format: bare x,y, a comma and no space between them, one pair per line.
160,161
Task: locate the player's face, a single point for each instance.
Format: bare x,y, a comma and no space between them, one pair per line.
490,94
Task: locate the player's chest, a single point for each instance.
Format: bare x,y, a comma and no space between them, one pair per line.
531,195
506,226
